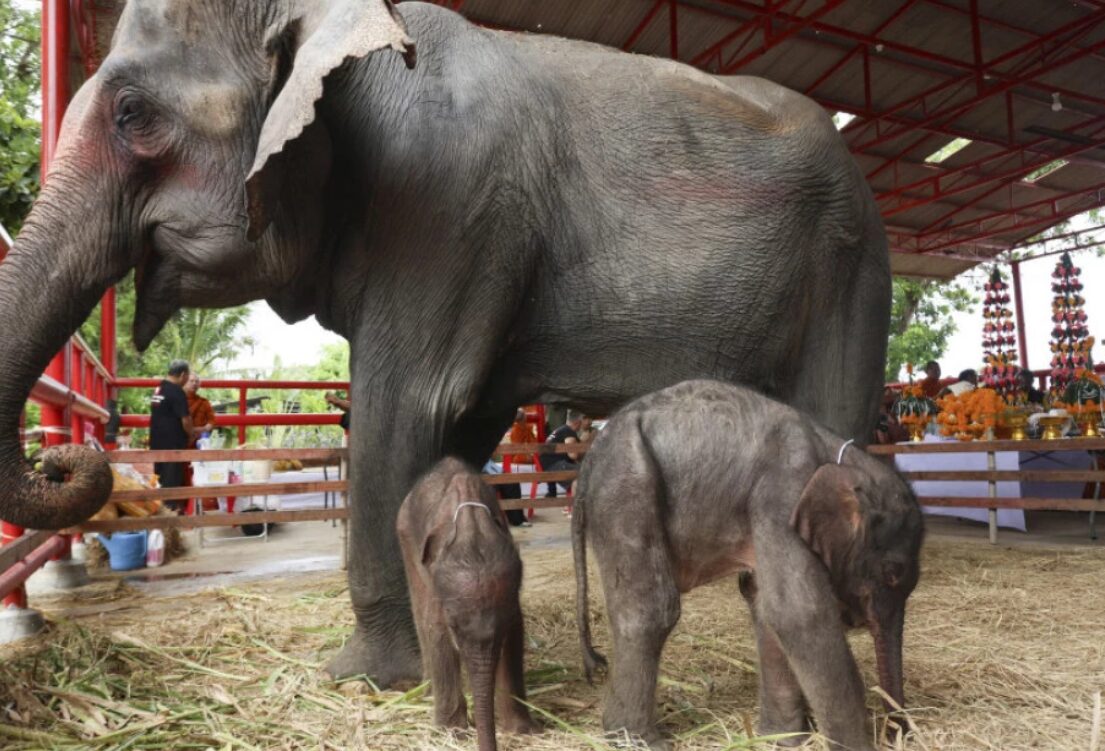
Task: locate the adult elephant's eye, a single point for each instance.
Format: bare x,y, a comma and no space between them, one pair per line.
131,112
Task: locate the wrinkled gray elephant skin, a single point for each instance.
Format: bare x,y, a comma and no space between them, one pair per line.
464,574
515,218
705,479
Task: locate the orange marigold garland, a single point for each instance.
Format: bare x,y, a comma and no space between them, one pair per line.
969,415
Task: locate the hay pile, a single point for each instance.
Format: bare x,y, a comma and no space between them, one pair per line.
1005,651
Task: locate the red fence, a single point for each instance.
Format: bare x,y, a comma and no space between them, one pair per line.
242,420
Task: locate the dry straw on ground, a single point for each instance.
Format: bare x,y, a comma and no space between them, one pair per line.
1005,651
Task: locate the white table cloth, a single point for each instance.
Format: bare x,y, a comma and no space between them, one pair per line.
1007,460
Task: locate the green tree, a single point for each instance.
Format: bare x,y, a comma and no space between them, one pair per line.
19,112
921,320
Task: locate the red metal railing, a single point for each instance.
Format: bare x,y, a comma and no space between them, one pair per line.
242,420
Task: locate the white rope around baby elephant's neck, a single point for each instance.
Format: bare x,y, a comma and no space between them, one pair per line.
470,503
840,456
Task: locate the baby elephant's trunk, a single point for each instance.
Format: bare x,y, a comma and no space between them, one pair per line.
887,632
482,667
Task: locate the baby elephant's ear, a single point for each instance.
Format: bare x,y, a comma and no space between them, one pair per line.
828,515
314,40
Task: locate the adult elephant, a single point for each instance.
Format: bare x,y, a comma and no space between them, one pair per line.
514,218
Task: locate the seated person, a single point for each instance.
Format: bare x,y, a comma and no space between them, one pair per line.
566,433
930,385
968,381
1027,383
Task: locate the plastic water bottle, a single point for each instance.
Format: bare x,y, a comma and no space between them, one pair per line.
155,548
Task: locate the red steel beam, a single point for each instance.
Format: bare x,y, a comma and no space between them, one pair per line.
640,29
988,20
227,383
859,47
1003,176
976,47
798,23
889,44
982,196
958,108
1095,195
242,421
673,29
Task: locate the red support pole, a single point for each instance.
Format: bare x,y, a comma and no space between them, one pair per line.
107,332
1018,301
55,97
243,406
17,598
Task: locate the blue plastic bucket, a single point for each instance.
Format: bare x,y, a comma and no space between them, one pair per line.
126,550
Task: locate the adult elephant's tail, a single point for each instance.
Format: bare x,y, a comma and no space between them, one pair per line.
591,659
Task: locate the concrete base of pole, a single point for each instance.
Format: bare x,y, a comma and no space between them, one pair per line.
18,623
57,575
78,551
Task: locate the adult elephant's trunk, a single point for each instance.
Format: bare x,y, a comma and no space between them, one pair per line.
887,631
481,675
49,283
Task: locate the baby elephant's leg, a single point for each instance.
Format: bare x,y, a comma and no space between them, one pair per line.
794,600
443,662
440,658
643,603
511,684
782,707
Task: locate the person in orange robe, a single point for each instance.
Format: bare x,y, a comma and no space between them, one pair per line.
203,415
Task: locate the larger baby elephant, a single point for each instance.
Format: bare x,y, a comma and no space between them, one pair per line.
704,479
464,574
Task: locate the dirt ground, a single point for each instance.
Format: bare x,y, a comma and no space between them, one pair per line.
1005,650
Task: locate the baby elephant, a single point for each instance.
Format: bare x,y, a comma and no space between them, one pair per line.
704,479
464,575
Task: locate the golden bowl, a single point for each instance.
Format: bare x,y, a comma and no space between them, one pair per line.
1016,422
1053,426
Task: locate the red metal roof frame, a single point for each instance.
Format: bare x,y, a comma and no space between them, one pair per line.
1013,62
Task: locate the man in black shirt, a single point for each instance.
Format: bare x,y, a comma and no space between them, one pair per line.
566,433
170,424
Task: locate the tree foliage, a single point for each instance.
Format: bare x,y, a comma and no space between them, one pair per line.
19,112
921,322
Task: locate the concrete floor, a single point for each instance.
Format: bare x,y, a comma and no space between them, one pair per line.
228,558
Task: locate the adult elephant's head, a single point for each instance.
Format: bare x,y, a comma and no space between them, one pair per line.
193,156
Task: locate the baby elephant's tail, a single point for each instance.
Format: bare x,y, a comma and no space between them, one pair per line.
591,658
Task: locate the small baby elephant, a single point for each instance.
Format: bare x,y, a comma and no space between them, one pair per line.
464,575
704,479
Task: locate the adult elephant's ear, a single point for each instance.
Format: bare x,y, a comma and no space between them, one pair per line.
828,515
318,38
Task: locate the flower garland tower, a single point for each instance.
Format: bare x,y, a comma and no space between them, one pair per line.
999,339
1070,344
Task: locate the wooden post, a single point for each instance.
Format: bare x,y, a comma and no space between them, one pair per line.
992,465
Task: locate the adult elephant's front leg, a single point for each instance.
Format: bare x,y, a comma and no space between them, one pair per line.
391,443
394,439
